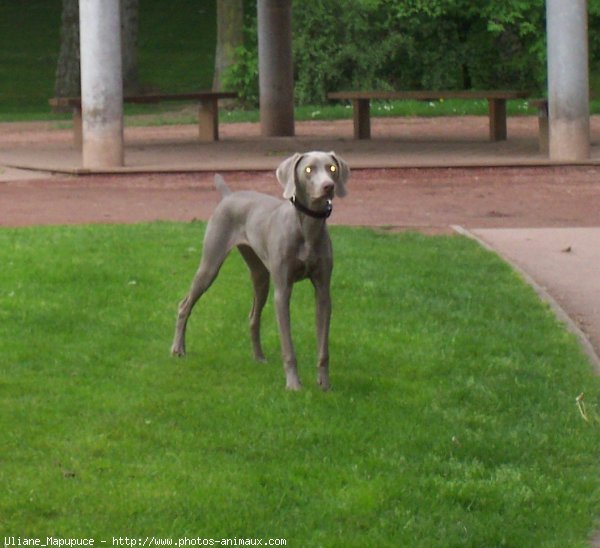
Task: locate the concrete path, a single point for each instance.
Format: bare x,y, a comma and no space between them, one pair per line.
396,142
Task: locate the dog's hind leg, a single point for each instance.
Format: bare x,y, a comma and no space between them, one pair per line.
215,250
260,281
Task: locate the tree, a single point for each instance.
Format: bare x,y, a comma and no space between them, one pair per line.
230,37
129,45
68,75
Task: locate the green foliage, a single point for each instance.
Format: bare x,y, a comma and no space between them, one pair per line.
414,44
29,45
452,421
409,44
176,51
243,77
177,45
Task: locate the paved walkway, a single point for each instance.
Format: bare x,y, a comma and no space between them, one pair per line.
412,142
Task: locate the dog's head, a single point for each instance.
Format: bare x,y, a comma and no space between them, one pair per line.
316,175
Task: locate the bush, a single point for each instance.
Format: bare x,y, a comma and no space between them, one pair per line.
411,44
243,75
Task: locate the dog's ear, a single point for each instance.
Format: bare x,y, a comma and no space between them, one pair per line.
286,175
343,175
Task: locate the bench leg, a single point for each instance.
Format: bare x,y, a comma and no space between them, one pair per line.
362,118
544,128
497,111
208,120
77,127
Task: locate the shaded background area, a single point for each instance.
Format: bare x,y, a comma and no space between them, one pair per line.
176,50
437,45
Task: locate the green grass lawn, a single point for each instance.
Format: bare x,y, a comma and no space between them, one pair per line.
452,421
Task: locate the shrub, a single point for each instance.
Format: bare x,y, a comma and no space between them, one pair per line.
385,44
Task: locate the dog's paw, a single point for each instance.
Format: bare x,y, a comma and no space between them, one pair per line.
260,357
177,351
323,381
293,385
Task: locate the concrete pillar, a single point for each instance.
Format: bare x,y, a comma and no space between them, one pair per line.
275,68
101,83
568,80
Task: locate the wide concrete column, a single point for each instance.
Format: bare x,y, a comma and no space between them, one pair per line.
568,80
101,83
275,69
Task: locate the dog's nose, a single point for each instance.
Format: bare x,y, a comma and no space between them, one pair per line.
328,187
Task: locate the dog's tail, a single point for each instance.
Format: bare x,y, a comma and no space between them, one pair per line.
221,185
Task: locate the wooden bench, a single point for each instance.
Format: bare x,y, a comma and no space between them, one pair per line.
208,109
496,102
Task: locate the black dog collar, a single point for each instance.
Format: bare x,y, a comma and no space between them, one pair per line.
314,214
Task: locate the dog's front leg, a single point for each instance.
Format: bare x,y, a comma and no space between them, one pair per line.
323,312
283,294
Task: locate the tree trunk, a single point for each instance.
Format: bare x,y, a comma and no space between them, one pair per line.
129,45
68,76
230,35
68,79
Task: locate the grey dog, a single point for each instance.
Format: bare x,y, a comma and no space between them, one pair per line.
283,239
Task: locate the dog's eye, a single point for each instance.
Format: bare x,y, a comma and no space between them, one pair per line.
307,169
332,168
